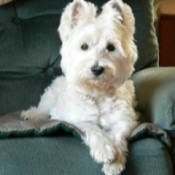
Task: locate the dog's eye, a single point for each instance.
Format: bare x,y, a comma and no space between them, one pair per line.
84,46
110,47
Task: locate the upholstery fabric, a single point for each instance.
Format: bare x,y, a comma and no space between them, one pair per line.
29,49
145,37
29,60
45,155
38,149
156,98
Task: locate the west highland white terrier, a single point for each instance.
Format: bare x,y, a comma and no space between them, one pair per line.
95,93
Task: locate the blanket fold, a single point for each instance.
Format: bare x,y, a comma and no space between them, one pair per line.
11,125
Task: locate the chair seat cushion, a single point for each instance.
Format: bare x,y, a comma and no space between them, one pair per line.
67,155
51,147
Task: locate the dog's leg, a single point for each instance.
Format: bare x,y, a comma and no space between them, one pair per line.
43,109
34,113
119,134
102,149
118,165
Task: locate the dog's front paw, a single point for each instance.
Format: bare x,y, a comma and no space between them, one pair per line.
34,114
115,167
29,114
103,150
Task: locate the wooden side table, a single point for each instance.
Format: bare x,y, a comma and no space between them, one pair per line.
166,33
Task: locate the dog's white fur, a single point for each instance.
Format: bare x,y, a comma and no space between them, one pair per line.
99,105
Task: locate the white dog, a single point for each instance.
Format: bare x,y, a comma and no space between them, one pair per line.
98,56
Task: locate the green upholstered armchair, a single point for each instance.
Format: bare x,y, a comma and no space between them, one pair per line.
29,60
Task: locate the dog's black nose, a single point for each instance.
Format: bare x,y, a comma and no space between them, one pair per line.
97,70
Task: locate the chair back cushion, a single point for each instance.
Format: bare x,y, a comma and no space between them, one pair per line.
29,47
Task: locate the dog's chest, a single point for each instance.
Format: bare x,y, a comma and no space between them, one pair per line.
74,107
98,110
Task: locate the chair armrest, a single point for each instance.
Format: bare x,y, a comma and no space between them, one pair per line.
155,91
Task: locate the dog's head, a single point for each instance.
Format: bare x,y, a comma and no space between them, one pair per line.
98,51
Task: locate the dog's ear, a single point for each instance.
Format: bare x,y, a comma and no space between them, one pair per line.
114,9
119,13
77,12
